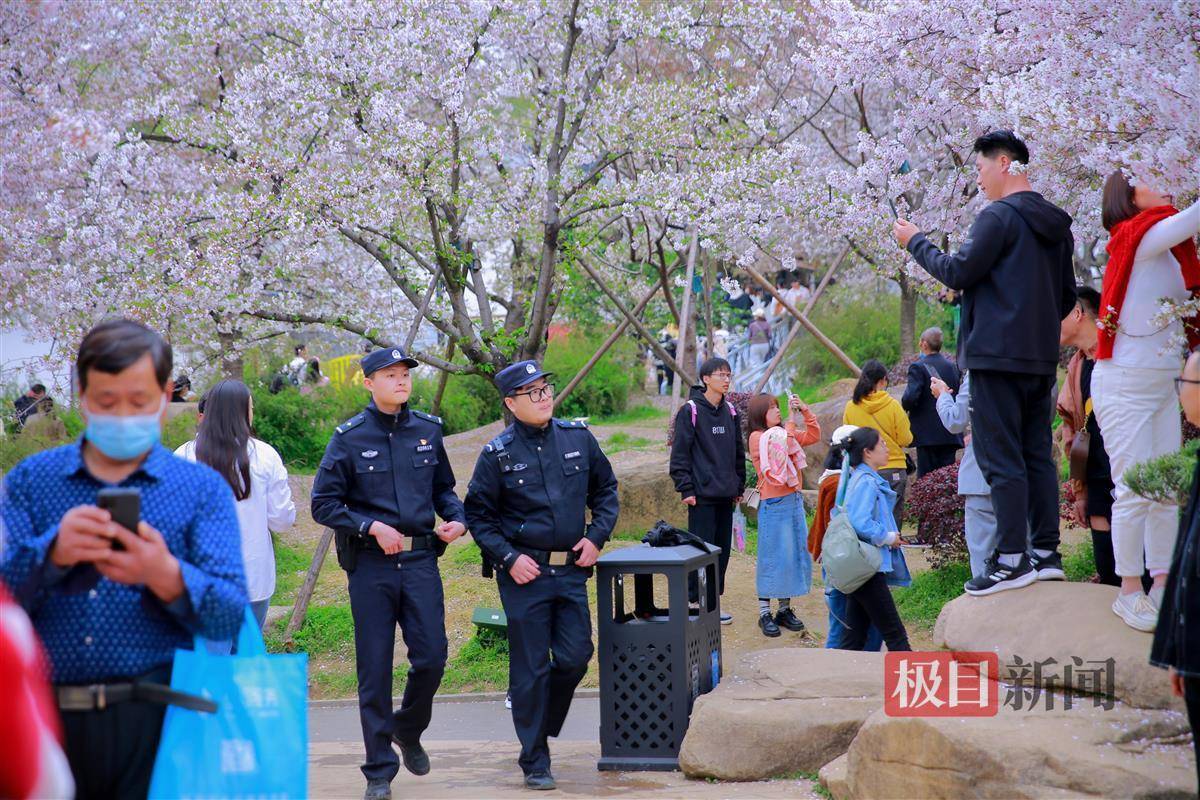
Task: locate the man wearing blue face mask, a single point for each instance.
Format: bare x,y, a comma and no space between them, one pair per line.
112,605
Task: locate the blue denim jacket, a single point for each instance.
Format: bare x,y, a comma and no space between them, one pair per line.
869,503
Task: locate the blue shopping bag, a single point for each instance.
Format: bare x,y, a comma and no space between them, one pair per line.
256,744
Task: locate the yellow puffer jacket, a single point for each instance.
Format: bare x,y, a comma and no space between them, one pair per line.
881,411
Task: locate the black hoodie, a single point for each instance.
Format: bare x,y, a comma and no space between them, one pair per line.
708,459
1017,283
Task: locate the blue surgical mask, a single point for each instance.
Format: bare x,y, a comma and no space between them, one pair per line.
124,438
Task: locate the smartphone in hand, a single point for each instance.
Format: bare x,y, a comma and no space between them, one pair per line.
125,505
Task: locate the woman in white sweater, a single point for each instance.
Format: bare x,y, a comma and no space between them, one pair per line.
255,472
1151,258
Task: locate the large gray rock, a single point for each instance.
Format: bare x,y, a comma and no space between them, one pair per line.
1084,752
1058,620
782,711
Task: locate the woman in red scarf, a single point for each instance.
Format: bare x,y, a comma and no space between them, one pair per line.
1152,257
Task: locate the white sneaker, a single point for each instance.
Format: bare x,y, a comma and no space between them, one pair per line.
1156,596
726,618
1137,610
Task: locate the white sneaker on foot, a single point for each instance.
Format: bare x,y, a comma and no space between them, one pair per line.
1137,610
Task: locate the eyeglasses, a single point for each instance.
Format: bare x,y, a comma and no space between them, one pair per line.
1179,381
722,376
537,393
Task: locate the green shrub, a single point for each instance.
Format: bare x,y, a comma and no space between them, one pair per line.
1166,479
299,426
922,601
863,327
179,429
606,389
468,402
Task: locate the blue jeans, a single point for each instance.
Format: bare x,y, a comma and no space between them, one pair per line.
836,639
223,648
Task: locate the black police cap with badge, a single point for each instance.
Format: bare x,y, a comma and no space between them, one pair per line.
514,376
378,359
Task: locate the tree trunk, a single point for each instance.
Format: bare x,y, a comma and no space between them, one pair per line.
232,360
908,315
710,268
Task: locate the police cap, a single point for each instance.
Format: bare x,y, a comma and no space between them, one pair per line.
514,376
378,359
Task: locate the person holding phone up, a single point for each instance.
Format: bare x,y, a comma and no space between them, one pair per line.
111,605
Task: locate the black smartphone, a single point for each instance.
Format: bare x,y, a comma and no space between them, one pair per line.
125,505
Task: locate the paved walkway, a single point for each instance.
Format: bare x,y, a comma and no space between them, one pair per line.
473,752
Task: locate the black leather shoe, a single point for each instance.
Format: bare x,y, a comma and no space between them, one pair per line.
769,628
416,760
788,619
378,789
540,781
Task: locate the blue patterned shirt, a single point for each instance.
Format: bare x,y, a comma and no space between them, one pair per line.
95,629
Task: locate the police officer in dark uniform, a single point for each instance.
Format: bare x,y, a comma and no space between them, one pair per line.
383,476
526,507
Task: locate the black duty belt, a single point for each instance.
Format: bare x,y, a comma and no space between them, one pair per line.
410,543
550,558
99,696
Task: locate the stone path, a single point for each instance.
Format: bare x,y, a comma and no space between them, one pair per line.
473,752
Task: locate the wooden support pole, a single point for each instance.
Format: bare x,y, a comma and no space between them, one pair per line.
829,344
795,331
634,321
685,316
411,336
445,376
300,607
608,343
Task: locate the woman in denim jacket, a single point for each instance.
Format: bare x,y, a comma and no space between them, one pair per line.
869,504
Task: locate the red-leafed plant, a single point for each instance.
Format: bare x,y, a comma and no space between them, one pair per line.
935,506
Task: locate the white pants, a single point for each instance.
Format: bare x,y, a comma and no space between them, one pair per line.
758,352
1138,415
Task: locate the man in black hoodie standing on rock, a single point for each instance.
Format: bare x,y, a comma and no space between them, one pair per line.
1014,271
708,462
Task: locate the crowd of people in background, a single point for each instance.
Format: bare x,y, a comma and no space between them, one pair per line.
1014,282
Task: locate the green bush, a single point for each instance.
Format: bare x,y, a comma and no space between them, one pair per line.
299,426
606,389
179,429
922,601
1166,479
863,327
468,402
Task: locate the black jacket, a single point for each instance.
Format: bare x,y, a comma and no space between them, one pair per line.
919,402
1177,637
1017,282
534,488
386,467
708,459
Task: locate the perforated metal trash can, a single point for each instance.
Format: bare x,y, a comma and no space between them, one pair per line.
654,662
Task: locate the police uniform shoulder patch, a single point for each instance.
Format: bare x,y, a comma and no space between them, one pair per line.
430,417
500,442
570,423
353,422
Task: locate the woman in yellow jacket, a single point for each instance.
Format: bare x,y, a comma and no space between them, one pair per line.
872,407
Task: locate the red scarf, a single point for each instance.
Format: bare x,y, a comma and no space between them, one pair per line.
1123,243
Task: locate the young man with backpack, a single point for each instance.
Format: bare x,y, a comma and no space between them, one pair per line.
708,462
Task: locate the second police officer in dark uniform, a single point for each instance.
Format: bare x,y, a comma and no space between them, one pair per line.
526,507
383,476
